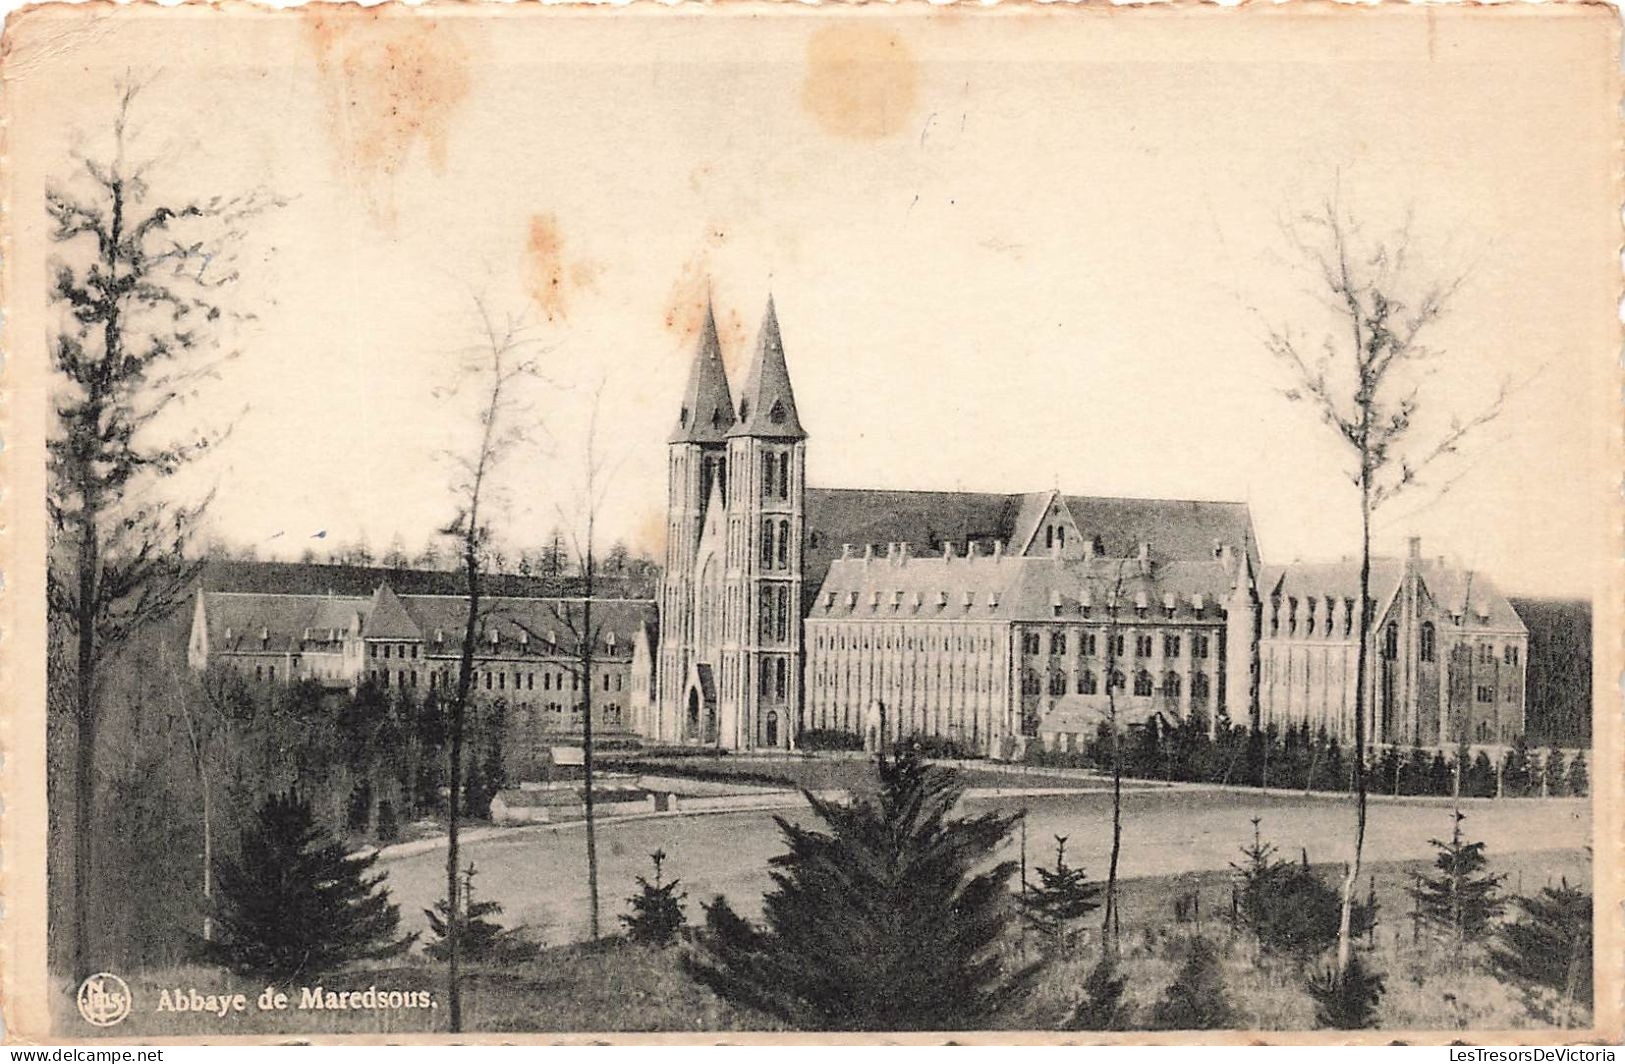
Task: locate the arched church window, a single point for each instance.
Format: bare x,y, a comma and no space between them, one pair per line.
1390,642
767,543
767,478
1086,682
1199,688
1142,683
1428,640
784,474
784,545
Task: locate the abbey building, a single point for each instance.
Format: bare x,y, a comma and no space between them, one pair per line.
998,620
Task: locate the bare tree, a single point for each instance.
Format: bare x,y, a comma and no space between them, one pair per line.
493,369
1363,377
1112,923
143,289
577,617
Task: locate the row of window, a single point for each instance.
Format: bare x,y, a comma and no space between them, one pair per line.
1086,683
1060,642
888,639
491,679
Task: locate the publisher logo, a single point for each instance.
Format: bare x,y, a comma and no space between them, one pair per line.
104,999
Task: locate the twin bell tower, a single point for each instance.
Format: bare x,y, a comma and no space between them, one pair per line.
730,602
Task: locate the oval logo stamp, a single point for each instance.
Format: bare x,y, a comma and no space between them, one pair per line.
104,999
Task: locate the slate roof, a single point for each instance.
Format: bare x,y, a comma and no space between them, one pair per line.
286,619
1455,590
1181,529
1177,530
708,410
767,405
1009,588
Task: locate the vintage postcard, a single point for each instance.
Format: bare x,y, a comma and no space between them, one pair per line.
776,522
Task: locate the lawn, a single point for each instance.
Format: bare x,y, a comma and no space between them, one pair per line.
538,874
618,986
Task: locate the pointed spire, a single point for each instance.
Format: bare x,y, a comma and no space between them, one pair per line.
708,409
767,407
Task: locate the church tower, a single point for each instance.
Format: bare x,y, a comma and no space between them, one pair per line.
761,675
696,476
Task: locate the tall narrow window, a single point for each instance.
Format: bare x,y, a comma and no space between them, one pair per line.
784,474
1390,642
784,545
781,676
767,543
767,477
782,625
1427,641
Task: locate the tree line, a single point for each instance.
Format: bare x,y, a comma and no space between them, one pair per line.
1298,758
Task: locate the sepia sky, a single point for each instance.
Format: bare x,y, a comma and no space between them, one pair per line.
1011,249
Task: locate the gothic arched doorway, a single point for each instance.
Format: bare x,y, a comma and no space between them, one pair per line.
772,729
691,725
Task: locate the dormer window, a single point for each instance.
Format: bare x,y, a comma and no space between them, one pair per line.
942,599
829,600
1198,603
744,409
970,599
851,600
439,635
1169,602
897,598
874,599
992,600
228,633
776,414
609,641
1055,602
682,417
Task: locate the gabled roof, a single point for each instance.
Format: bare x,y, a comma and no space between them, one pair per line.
1181,529
1456,591
708,410
767,406
1019,588
388,618
272,623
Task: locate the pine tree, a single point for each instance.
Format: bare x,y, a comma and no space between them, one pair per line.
480,939
1579,778
1288,908
1515,768
1062,897
657,909
1557,773
1441,779
1481,777
1462,899
1547,951
1196,1000
1102,1007
890,921
295,904
1349,1003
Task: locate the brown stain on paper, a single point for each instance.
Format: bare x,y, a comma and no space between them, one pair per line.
551,279
684,313
391,83
862,81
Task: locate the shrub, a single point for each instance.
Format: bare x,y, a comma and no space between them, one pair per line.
295,904
1547,951
1062,897
1197,999
1348,1003
389,826
1461,898
828,739
657,909
1102,1007
1289,908
480,939
1579,779
890,921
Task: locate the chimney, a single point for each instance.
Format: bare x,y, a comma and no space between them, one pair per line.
846,550
902,554
998,549
868,553
973,549
947,551
1414,545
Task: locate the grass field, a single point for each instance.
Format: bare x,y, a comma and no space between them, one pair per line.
618,986
538,874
